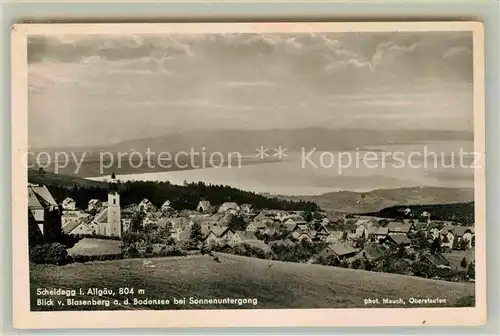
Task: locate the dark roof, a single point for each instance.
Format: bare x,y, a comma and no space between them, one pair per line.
71,226
374,251
437,259
382,231
341,249
399,227
457,230
420,226
400,239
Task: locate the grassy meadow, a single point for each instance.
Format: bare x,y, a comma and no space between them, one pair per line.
274,284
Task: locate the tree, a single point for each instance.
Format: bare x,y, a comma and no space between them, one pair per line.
136,222
237,223
471,271
463,263
436,245
308,215
195,236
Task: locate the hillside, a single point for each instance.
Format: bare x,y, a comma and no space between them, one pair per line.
181,196
457,212
376,200
274,284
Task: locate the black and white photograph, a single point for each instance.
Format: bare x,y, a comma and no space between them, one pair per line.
252,167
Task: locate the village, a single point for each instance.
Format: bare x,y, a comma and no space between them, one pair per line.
400,245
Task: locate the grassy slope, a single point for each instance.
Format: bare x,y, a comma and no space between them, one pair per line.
274,284
91,246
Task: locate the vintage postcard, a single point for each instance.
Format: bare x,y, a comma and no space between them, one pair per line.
248,174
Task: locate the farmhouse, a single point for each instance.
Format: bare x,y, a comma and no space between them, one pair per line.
45,212
400,228
217,235
398,240
340,250
437,260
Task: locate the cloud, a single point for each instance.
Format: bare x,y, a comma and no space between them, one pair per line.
106,85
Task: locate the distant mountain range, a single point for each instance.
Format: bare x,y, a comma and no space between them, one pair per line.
376,200
246,141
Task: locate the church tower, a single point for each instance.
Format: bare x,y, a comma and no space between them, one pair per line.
114,225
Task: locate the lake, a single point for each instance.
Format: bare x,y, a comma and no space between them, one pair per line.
438,164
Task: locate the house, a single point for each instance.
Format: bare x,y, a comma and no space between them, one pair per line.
217,235
246,209
72,216
322,229
146,205
400,228
336,236
255,226
167,206
340,251
45,212
437,260
374,251
381,233
69,204
77,228
290,226
230,207
241,236
204,206
94,205
364,227
452,236
398,240
420,226
306,235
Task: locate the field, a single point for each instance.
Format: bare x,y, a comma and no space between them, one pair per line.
274,284
455,257
91,246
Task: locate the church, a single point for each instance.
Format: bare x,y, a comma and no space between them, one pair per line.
108,221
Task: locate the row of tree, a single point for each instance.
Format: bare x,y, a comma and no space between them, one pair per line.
186,196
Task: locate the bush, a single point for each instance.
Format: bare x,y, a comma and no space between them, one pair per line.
54,253
102,257
356,264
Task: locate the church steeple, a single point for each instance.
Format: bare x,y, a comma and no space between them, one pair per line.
113,184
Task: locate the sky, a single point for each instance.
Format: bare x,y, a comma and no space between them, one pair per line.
95,90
